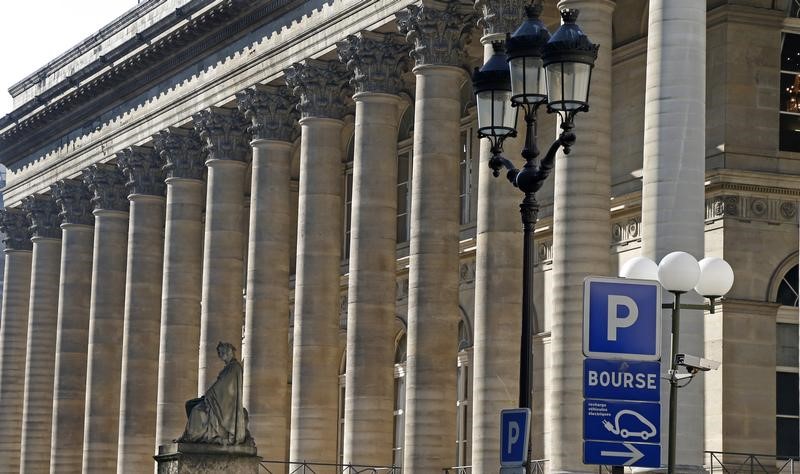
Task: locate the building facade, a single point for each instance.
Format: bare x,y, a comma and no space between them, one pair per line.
303,179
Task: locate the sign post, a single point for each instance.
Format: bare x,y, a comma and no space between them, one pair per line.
622,372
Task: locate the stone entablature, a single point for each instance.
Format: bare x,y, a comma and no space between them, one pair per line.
271,49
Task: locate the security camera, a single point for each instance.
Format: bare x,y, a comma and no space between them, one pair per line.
695,364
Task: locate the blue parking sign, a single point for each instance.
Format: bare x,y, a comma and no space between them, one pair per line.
622,319
514,436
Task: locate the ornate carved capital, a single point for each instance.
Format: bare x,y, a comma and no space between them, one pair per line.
321,86
437,36
499,17
75,201
223,133
107,185
15,225
271,110
42,212
376,60
182,153
142,170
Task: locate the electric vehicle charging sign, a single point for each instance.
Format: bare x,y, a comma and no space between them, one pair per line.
622,374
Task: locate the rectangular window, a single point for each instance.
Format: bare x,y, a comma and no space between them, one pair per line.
347,211
468,179
404,163
790,93
786,345
787,422
399,415
463,415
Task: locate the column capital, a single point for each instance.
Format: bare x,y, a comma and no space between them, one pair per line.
15,225
438,36
42,212
321,86
271,110
377,61
141,167
75,201
223,133
107,185
181,151
499,17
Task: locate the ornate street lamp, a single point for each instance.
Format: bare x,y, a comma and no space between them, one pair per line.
539,69
679,273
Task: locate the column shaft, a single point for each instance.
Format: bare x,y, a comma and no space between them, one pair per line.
104,366
138,396
221,317
180,305
316,320
433,311
369,398
13,338
673,192
266,376
72,337
40,362
498,302
580,243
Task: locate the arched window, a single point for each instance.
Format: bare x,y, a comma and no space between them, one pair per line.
787,423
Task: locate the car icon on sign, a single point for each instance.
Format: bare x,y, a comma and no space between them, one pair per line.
626,433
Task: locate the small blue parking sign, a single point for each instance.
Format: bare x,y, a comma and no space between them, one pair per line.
514,431
622,319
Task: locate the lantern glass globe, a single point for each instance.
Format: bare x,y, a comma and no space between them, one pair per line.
678,272
716,277
639,268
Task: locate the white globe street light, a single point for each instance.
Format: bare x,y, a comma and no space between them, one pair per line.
716,277
678,272
639,268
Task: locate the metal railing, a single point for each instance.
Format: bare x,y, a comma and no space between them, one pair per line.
537,467
297,467
741,463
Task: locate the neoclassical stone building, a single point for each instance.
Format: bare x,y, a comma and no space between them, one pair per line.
303,179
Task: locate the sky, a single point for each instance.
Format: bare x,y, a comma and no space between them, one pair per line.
34,32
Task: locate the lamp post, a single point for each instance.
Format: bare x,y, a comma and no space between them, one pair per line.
535,69
679,273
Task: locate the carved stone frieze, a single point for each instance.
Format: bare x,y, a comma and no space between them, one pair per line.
142,170
181,152
377,61
758,208
626,230
272,112
15,225
223,133
401,288
107,185
321,86
499,17
467,272
43,214
544,251
437,36
343,311
74,200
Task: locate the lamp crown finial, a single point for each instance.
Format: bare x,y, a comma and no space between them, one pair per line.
534,10
570,15
498,47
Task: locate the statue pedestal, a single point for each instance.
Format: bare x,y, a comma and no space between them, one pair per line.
197,458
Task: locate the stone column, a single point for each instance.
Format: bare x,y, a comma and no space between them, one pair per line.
72,335
433,312
138,395
271,111
106,317
222,132
377,62
320,86
673,192
37,411
498,272
13,333
181,285
580,241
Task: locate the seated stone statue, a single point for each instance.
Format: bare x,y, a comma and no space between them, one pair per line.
218,417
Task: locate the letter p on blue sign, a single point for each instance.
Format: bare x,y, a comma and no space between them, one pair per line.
514,436
621,319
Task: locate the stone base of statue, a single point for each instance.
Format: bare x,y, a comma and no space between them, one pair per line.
203,458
